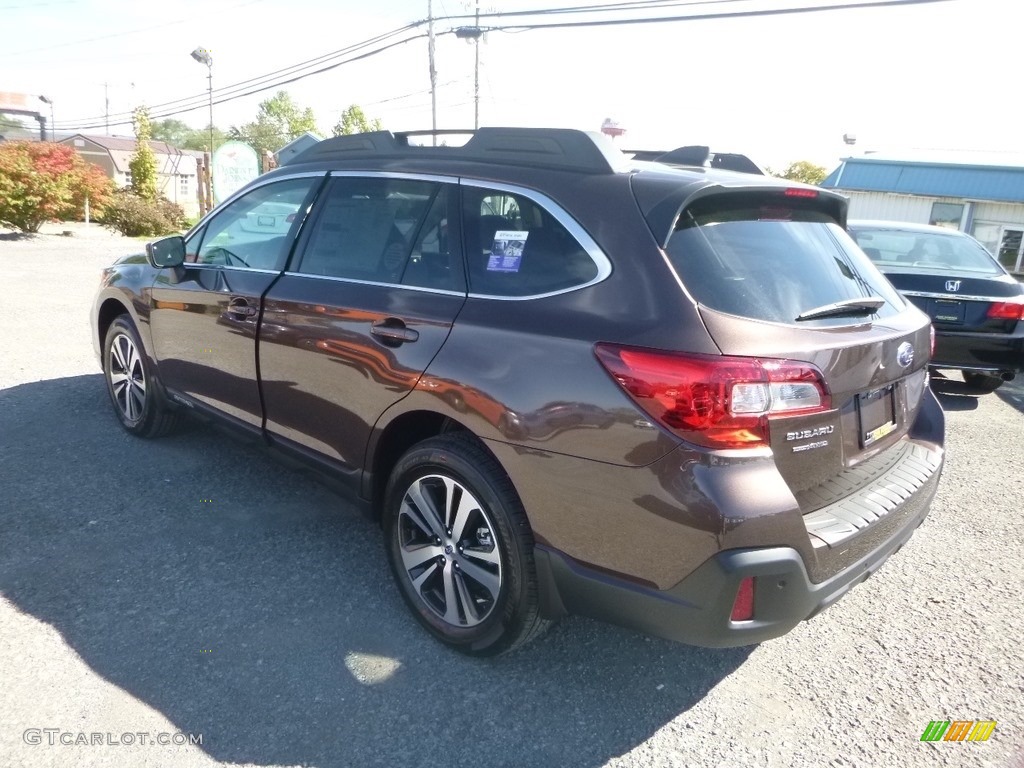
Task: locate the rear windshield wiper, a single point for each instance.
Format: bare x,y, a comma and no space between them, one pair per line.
847,307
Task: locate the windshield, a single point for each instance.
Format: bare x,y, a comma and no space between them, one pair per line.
924,251
776,260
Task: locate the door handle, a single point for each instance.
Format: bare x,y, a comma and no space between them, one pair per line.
393,330
240,307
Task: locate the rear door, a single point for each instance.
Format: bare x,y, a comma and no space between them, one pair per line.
370,298
775,276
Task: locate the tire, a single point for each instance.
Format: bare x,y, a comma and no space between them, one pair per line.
470,580
982,383
135,393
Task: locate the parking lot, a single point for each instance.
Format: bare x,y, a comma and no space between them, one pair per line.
194,586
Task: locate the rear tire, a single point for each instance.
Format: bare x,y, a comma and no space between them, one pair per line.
982,383
461,548
136,395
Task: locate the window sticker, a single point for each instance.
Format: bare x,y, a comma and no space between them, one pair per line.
507,251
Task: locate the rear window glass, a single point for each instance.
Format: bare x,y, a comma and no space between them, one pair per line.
770,258
924,251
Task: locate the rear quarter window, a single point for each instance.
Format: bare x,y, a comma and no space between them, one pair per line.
768,258
516,248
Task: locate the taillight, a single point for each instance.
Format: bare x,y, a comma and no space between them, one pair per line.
931,351
715,400
1007,310
797,192
743,605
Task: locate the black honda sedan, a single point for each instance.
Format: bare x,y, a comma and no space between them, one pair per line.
977,308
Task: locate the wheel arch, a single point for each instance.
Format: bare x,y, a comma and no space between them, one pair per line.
109,310
393,438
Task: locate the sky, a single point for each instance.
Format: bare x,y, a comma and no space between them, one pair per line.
942,76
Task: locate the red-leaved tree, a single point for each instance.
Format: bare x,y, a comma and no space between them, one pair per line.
42,181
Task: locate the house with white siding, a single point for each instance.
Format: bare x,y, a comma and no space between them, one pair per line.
974,193
176,168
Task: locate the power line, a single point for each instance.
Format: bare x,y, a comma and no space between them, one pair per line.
190,102
234,92
296,72
710,16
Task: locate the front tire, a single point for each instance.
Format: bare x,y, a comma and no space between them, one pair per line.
134,392
982,383
461,548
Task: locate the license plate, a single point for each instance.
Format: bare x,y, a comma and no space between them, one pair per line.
945,311
266,221
877,412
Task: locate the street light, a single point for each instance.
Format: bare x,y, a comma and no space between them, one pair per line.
53,130
203,57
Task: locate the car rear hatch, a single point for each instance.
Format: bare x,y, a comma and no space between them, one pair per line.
822,361
960,302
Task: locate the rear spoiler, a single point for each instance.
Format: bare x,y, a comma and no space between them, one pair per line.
662,202
699,156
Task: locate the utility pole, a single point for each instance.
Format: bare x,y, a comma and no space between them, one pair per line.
433,70
106,108
476,72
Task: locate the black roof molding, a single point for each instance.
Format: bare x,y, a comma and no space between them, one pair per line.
557,148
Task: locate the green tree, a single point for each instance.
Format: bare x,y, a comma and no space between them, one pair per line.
354,120
181,135
802,171
278,121
9,123
42,181
143,162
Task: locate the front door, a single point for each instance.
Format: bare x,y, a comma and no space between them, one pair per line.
205,315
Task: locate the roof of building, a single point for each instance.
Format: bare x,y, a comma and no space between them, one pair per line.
961,177
121,149
296,146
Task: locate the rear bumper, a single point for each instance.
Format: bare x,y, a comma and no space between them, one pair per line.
697,610
991,352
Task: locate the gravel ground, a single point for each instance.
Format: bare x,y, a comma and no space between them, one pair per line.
192,585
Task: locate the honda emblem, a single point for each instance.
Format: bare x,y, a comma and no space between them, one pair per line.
952,286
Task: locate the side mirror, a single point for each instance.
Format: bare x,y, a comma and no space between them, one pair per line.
166,252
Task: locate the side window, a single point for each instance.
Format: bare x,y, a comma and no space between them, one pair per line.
255,230
384,231
435,261
514,247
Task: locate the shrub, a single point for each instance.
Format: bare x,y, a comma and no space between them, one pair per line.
135,216
42,181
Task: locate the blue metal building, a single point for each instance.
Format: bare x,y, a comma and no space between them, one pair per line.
981,196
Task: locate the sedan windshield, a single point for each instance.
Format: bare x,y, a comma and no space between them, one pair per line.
925,251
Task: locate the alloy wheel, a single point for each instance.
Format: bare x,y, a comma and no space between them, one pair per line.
127,377
449,550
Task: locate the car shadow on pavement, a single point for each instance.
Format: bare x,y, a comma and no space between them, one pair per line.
1012,393
247,603
954,395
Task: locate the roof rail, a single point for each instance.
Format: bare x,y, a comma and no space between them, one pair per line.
699,156
559,148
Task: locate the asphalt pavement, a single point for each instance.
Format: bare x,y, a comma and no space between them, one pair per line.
192,587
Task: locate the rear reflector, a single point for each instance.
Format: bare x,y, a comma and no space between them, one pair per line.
714,400
796,192
743,606
1007,310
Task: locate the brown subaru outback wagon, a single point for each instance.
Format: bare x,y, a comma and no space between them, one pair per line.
566,381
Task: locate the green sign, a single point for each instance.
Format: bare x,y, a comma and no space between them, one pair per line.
234,165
